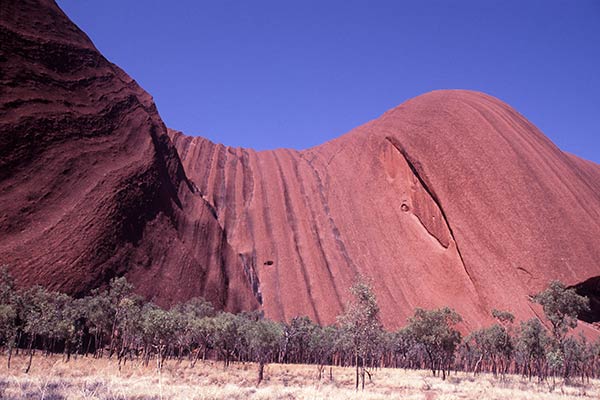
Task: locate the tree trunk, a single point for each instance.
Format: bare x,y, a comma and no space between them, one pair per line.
431,361
30,354
477,365
10,350
89,345
112,337
362,377
356,359
195,359
261,370
180,354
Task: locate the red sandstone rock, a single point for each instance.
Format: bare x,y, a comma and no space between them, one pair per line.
91,186
452,198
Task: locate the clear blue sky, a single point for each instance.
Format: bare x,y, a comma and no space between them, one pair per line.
268,74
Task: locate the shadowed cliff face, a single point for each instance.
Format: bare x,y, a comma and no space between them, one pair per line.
451,199
590,288
91,186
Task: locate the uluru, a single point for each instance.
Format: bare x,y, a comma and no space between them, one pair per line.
452,198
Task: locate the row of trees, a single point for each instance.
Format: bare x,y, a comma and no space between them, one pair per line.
117,323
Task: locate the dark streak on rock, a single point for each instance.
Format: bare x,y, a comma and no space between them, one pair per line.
296,236
315,229
334,229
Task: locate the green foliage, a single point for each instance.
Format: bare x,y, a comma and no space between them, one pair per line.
264,338
503,316
434,331
157,326
227,334
297,337
194,327
202,331
323,343
9,310
38,311
532,343
360,323
493,346
561,307
37,318
119,289
533,338
98,314
195,308
361,319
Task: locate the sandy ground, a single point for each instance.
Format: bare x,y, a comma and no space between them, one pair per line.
86,378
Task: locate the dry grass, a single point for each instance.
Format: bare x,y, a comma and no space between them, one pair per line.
85,378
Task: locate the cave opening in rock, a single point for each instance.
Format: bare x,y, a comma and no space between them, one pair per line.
590,288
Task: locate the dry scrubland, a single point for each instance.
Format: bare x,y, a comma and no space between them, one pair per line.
86,378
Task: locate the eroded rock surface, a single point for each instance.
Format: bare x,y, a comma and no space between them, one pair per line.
452,198
91,186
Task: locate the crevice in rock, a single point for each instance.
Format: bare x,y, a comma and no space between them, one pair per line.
427,228
249,263
414,167
590,289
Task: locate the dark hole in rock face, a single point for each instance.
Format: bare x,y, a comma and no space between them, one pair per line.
590,289
268,262
404,207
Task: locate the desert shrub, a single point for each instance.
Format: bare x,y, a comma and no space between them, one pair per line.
434,332
361,324
116,319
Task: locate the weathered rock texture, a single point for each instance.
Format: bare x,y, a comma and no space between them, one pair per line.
91,186
452,198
